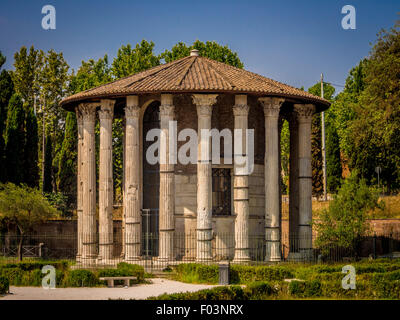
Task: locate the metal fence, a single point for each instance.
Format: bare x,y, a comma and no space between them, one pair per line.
65,246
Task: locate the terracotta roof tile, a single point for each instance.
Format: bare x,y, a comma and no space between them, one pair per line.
194,74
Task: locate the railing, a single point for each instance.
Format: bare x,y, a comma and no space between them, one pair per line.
65,246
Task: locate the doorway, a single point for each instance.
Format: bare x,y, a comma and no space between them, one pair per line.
151,186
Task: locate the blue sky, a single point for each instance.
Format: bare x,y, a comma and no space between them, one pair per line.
290,41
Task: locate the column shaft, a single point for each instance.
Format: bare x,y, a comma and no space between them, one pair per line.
89,227
133,227
106,182
272,179
293,184
79,191
241,185
204,103
167,181
304,115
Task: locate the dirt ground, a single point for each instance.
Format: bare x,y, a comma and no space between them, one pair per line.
142,291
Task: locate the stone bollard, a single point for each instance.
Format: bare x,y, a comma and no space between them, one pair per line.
224,273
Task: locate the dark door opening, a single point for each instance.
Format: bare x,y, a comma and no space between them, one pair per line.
151,185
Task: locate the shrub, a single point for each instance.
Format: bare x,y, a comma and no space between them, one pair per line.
306,289
197,273
81,278
217,293
246,274
260,289
4,285
32,265
131,270
296,288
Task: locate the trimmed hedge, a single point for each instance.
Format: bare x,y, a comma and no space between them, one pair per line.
81,278
246,274
217,293
4,285
305,289
30,274
33,265
238,274
261,289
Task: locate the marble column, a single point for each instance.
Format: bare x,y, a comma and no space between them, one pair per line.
204,103
79,191
272,178
167,181
106,114
133,226
241,185
304,116
89,227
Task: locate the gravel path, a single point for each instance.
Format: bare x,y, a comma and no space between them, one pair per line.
142,291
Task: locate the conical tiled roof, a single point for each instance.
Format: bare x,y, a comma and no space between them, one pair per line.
195,74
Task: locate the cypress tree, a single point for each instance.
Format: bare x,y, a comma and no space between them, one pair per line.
334,165
316,160
6,91
48,163
15,140
66,178
31,150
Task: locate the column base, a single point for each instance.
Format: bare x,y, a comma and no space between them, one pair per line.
165,259
273,259
204,260
241,256
132,259
89,260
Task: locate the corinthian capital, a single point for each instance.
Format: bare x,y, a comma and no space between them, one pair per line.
88,111
132,109
167,107
204,99
304,112
271,105
240,110
167,110
107,109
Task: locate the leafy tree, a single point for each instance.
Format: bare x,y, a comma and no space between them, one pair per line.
6,91
59,201
91,74
377,121
23,207
66,179
26,73
133,60
15,140
210,49
344,107
48,166
333,155
53,87
344,222
31,169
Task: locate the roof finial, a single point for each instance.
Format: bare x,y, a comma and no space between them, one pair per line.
194,53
